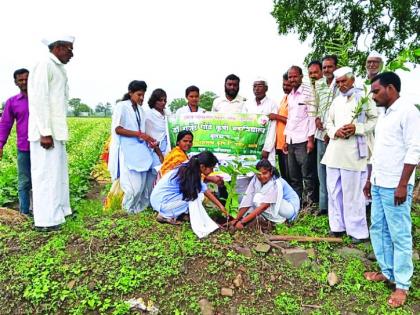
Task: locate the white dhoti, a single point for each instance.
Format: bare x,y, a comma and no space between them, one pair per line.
50,184
346,202
137,187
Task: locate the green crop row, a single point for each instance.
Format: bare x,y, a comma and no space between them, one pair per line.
87,137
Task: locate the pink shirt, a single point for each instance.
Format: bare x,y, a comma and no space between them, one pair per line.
301,118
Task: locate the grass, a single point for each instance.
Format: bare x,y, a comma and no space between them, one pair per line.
99,260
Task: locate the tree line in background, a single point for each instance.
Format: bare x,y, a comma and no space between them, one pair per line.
390,27
77,108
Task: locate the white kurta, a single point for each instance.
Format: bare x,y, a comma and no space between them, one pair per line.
346,171
283,200
50,184
136,172
186,110
48,95
343,153
156,127
48,101
266,107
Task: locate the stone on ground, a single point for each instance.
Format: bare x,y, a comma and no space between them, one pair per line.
238,281
332,279
206,307
243,251
226,292
262,248
296,256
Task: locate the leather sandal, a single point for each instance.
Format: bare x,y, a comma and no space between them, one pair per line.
398,298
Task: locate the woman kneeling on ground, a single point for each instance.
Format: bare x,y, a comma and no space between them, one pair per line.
178,187
268,196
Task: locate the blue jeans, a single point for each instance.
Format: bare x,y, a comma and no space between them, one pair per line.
390,234
321,147
24,180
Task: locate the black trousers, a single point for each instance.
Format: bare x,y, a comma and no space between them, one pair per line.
302,171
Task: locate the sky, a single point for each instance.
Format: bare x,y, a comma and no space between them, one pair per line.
169,44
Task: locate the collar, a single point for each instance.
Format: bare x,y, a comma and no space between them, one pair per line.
262,101
395,106
298,91
21,96
55,59
237,99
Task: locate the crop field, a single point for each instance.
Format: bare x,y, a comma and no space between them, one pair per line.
87,137
101,259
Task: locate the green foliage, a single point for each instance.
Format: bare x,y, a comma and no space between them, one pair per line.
234,168
76,105
206,100
386,26
177,103
286,303
87,136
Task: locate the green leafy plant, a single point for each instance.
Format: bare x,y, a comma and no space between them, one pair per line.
234,168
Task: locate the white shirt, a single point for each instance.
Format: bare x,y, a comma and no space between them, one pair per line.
48,95
267,106
155,124
397,142
223,105
344,153
186,110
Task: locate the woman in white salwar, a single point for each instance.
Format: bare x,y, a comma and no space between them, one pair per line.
156,123
135,153
269,196
174,191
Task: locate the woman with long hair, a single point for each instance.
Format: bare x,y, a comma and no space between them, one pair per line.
132,159
172,194
156,123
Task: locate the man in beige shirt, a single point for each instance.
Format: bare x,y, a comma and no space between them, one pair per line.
346,158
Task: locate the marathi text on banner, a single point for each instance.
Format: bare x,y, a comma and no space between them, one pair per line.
230,134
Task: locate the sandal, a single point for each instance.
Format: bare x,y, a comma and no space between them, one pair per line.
375,276
398,298
171,221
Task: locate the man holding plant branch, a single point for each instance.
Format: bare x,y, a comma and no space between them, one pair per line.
350,123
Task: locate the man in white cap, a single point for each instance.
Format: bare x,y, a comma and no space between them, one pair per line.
346,158
374,64
261,104
48,102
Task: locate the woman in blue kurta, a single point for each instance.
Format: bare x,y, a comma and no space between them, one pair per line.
177,188
135,160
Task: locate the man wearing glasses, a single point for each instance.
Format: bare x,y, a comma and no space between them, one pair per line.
374,64
48,102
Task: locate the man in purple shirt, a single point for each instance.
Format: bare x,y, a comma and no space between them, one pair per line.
16,108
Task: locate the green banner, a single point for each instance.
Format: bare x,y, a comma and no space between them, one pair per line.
230,134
